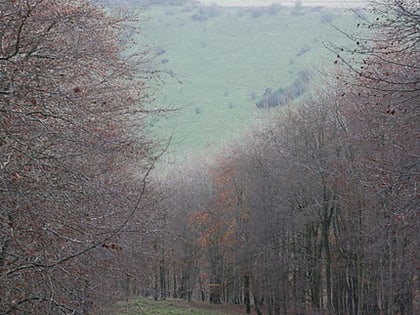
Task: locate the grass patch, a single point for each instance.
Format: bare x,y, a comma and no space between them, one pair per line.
167,307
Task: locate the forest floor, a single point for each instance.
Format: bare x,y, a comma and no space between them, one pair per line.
230,309
177,307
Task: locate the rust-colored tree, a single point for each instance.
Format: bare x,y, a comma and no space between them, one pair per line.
216,228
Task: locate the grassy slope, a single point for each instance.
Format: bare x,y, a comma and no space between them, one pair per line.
227,60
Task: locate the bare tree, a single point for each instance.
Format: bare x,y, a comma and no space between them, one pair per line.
73,159
380,99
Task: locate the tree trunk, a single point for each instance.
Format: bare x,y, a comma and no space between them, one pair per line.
175,284
257,303
162,279
247,298
328,209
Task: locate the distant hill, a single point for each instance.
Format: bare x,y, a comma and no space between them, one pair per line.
233,65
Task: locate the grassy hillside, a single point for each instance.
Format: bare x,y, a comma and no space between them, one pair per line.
224,58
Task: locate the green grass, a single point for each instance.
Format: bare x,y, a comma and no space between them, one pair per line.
225,58
143,306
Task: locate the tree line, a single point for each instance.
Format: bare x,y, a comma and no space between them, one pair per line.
317,210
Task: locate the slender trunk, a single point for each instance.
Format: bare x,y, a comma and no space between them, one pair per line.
155,293
257,303
175,289
329,207
185,281
359,271
162,278
327,267
201,285
247,298
390,278
269,305
127,286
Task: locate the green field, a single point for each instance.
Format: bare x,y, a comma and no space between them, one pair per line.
143,306
224,58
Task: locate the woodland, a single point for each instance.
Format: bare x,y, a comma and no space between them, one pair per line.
315,211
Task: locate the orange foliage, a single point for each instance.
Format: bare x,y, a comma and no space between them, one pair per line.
218,223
